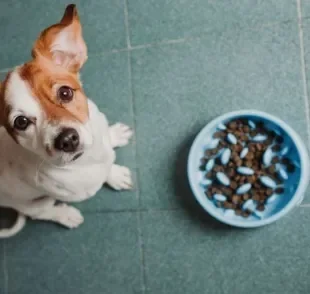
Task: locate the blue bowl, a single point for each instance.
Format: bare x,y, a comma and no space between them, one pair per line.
295,186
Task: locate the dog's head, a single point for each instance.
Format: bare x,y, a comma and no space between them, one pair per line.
42,103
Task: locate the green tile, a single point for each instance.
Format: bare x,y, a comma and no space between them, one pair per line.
101,256
106,82
103,24
3,269
306,35
187,252
21,22
178,88
157,20
2,76
305,8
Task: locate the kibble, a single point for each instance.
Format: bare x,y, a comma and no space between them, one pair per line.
236,199
219,135
272,198
259,138
244,152
246,197
219,197
233,185
221,126
230,173
232,125
252,124
249,204
267,157
268,182
210,165
222,178
229,213
231,139
206,182
245,166
225,156
284,151
244,188
283,174
245,170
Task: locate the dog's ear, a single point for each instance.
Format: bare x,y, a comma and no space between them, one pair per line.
63,42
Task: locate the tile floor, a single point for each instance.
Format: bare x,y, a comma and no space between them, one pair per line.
167,67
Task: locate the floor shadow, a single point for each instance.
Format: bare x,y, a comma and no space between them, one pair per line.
185,195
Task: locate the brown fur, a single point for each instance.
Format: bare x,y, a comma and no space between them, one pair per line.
70,22
44,76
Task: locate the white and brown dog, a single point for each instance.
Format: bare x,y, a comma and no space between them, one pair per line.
54,142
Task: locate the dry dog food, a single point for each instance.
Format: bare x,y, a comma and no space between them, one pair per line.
245,167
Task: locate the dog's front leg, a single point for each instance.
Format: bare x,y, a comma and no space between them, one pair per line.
119,178
120,135
45,209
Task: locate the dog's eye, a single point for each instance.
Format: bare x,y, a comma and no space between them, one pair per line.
65,94
21,123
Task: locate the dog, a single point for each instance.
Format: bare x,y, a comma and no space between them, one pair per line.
55,144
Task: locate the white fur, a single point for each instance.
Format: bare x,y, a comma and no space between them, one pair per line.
40,136
18,96
31,181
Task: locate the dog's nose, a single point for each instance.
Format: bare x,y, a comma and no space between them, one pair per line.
68,140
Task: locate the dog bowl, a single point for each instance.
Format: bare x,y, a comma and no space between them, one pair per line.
294,187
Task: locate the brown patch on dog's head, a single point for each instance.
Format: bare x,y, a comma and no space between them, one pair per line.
58,55
46,93
44,81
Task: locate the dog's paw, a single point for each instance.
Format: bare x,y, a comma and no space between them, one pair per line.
68,216
120,135
120,178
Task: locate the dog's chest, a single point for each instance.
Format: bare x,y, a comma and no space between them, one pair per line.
74,184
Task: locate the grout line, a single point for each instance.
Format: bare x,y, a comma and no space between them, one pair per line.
143,210
113,51
5,70
139,220
303,68
142,252
162,42
132,210
166,42
126,20
5,270
139,224
132,110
